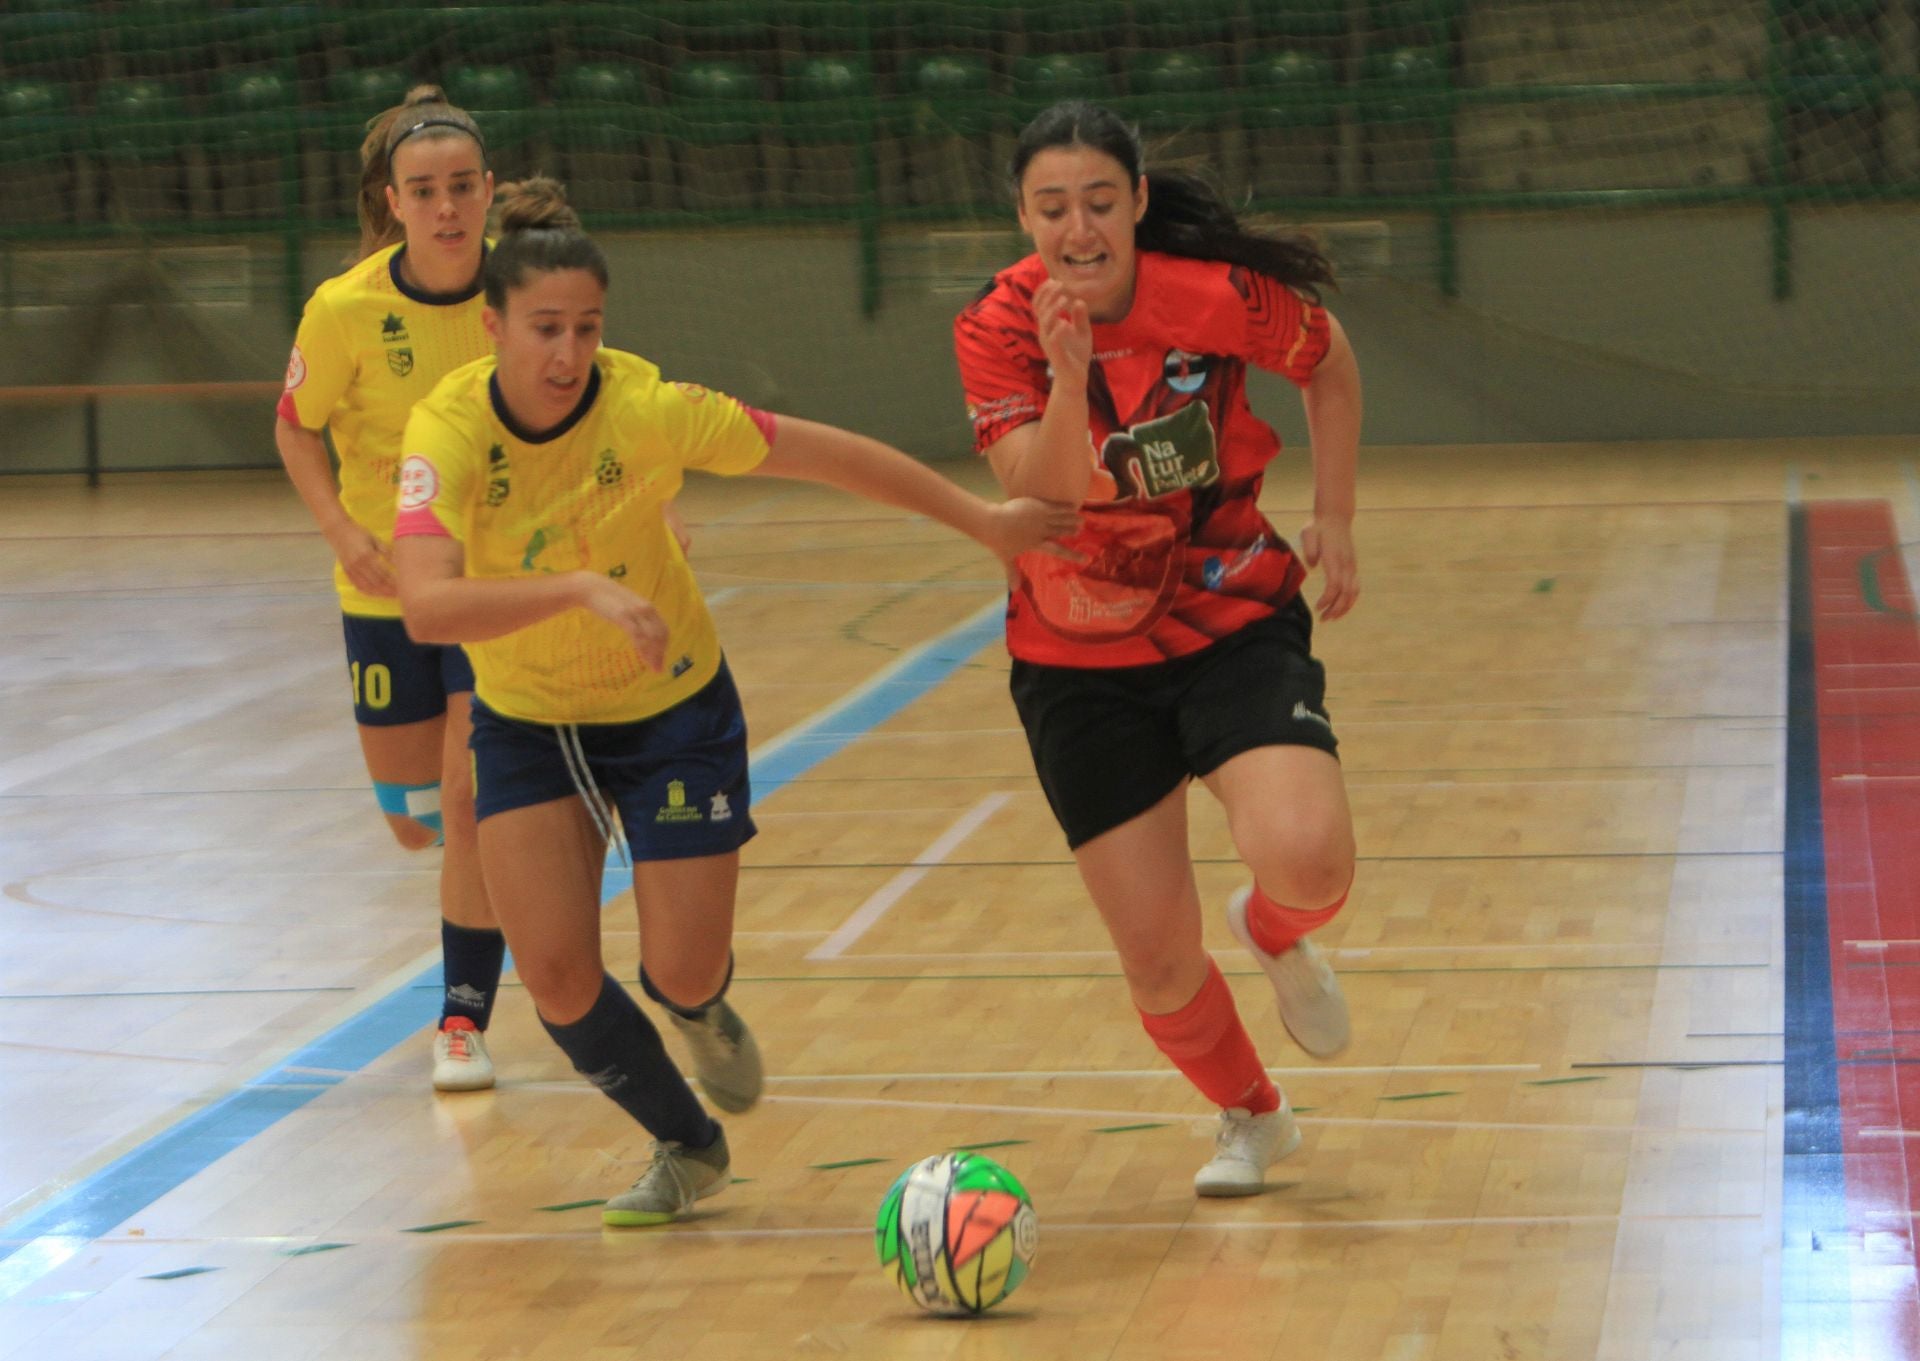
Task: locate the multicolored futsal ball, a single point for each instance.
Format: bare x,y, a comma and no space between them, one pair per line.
957,1233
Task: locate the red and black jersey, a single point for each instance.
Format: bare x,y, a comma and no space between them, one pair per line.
1177,553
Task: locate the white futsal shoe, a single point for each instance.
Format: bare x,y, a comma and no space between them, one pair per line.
460,1059
1312,1007
726,1058
1246,1146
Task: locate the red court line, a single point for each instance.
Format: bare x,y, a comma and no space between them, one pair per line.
1872,841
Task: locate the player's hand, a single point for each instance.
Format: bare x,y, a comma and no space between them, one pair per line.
364,559
634,615
1327,543
677,526
1066,335
1027,522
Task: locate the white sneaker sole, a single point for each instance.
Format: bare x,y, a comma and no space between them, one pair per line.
1232,1181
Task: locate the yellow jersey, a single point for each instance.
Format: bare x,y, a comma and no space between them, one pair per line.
586,495
368,348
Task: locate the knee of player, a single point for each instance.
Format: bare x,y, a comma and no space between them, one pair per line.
684,983
413,812
561,984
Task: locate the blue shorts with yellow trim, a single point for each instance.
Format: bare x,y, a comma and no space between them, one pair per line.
396,680
678,779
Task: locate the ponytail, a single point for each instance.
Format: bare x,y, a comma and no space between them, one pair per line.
426,113
1185,215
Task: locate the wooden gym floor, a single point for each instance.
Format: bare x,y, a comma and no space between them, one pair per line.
1621,1087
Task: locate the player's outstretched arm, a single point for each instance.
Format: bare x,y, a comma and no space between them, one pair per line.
813,452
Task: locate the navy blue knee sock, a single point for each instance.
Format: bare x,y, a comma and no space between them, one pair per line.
615,1047
648,986
472,962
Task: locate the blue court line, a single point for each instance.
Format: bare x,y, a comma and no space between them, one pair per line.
1816,1285
40,1241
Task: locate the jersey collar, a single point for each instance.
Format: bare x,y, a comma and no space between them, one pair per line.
420,295
526,436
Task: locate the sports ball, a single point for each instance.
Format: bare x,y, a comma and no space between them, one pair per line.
956,1233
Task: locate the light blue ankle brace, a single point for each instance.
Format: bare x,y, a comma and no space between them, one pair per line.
421,802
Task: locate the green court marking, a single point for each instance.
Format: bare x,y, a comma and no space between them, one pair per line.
176,1275
1563,1081
312,1248
1418,1096
1129,1129
570,1205
850,1162
1302,1110
1542,586
440,1227
737,1181
991,1143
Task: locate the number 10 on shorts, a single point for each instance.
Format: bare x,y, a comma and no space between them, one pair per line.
372,687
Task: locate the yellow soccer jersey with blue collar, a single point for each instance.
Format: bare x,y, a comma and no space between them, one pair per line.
586,495
368,348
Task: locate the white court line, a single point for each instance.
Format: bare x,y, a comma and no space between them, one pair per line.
695,1228
1339,951
896,888
1135,1074
1208,1121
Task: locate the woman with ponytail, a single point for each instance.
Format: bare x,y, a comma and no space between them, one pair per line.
1108,370
373,341
529,530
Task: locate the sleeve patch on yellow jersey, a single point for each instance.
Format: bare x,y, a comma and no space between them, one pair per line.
693,392
296,369
419,483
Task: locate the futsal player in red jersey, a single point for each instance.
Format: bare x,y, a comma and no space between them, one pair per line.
1108,369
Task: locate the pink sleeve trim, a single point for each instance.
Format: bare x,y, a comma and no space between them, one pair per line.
287,411
419,522
767,422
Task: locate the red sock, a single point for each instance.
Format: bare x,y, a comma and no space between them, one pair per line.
1277,929
1206,1041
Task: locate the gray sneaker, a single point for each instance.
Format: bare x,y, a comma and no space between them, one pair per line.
677,1178
725,1057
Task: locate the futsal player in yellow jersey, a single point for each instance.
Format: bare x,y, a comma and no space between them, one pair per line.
529,529
371,343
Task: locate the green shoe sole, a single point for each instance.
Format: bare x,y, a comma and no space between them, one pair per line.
634,1219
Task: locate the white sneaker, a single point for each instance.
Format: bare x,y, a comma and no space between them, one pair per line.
1312,1007
460,1062
678,1177
1245,1147
726,1057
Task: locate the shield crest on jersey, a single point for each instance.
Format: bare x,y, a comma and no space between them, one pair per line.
400,361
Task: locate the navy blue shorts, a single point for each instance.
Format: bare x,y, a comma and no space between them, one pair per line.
678,779
1109,744
396,680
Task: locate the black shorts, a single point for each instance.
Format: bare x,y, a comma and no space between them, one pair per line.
678,779
1109,744
396,680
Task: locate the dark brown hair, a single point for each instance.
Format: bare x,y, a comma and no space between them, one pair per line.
423,113
539,232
